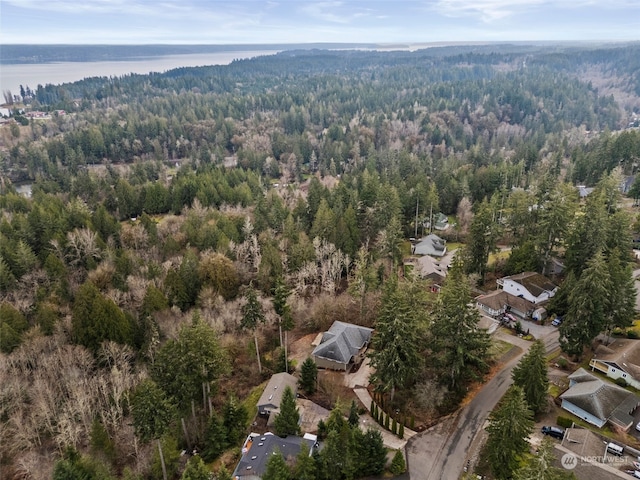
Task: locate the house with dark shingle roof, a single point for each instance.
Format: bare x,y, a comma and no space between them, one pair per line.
258,448
499,302
430,245
529,285
269,401
599,402
342,347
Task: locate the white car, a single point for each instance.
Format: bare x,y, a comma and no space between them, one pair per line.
638,427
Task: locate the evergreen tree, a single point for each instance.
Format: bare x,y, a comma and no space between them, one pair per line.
589,234
398,339
332,457
215,439
622,296
288,419
555,219
281,294
373,453
398,464
531,375
151,410
305,468
459,346
223,473
308,376
96,319
235,420
183,365
589,304
252,316
277,468
196,470
354,418
12,325
540,466
483,235
510,424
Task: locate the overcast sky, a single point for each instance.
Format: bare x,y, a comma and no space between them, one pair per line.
300,21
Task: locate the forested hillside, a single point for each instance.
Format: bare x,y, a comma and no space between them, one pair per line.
162,205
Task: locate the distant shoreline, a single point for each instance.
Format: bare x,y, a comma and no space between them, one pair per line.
17,54
43,54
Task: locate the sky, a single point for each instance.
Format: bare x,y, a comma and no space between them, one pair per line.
307,21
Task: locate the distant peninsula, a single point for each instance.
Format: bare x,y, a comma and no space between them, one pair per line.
28,54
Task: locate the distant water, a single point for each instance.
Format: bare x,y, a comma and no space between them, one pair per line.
12,76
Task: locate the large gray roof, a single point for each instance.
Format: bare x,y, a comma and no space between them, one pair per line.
254,462
272,394
604,400
342,341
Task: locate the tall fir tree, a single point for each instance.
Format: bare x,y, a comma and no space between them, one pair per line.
510,424
276,468
531,375
399,335
252,317
459,346
589,304
305,468
288,419
483,235
308,376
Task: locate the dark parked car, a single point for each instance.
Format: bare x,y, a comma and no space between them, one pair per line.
554,432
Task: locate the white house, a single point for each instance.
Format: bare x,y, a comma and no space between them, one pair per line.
619,359
529,285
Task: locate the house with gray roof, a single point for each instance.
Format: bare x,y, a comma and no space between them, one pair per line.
430,245
269,401
529,285
342,347
499,303
599,402
258,448
619,359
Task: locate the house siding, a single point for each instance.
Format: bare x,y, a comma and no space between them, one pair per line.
331,365
614,373
578,412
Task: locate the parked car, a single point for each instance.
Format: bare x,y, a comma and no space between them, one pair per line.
554,432
556,321
638,427
615,449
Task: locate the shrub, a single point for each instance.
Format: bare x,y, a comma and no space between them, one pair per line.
632,334
394,427
621,382
564,422
401,431
398,465
562,363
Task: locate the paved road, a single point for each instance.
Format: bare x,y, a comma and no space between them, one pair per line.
441,452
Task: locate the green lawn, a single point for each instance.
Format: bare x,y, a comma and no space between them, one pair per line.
499,348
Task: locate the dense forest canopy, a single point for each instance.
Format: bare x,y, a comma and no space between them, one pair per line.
212,214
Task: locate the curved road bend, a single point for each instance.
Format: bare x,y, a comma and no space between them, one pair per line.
441,452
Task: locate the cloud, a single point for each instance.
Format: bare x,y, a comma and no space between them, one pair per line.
493,10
